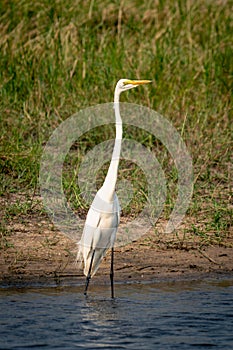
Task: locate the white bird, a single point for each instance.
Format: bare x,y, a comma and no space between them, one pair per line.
103,217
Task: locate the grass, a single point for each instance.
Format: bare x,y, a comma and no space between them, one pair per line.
59,57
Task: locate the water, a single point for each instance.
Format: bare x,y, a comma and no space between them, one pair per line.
181,315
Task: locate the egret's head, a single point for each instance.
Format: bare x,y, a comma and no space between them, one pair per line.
126,84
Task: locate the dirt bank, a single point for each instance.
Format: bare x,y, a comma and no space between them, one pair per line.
33,252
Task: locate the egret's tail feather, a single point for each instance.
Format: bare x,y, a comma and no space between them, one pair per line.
79,257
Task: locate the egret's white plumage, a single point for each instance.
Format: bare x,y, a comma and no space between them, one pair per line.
99,232
103,217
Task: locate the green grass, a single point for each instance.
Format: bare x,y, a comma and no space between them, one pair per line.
59,57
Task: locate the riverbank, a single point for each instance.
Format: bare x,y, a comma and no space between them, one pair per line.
59,59
35,253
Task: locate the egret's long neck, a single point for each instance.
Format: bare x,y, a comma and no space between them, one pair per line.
111,178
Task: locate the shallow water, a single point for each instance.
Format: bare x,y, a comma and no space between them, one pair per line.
180,315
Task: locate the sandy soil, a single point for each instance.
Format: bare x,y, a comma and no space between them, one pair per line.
34,253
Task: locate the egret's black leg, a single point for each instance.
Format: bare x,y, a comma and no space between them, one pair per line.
112,273
89,273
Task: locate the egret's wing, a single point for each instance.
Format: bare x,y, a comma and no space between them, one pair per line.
117,208
91,224
99,232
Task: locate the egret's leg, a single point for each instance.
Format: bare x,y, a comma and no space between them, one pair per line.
112,273
89,273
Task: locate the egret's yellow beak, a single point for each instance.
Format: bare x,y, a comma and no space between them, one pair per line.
137,82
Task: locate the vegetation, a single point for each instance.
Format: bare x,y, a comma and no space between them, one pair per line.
58,57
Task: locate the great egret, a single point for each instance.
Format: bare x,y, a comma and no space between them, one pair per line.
104,214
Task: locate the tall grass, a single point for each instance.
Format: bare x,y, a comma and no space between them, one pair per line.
62,56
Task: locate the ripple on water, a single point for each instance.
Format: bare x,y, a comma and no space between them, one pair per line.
143,316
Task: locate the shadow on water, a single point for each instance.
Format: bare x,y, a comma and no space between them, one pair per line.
178,315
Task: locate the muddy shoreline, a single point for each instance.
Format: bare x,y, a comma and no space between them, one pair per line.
34,253
47,258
